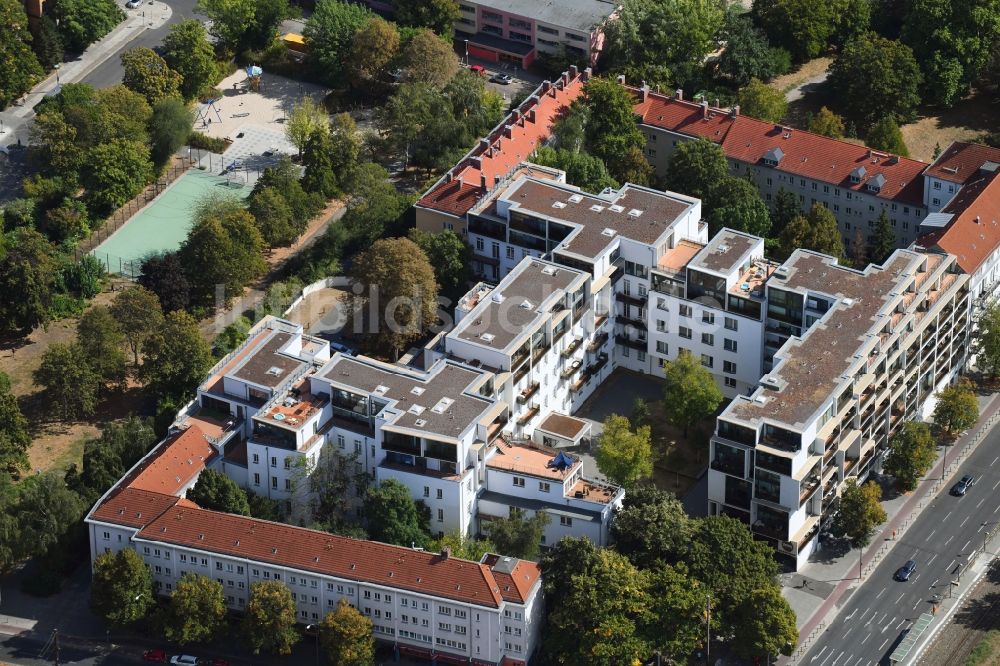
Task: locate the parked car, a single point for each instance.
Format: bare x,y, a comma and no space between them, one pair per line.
959,489
501,78
158,656
184,660
904,572
478,69
133,4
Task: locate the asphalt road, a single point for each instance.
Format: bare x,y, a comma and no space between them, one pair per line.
110,71
872,621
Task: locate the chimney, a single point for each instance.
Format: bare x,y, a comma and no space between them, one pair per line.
483,182
587,73
679,94
565,78
545,86
484,145
643,92
574,71
735,111
508,131
445,553
704,108
716,105
448,177
515,115
978,220
531,114
621,79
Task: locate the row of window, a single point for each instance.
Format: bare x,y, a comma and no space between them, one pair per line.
543,486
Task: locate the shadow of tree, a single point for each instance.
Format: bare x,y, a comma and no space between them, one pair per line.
830,550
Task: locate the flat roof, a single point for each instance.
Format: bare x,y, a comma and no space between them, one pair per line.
564,426
725,252
582,15
521,298
530,460
267,366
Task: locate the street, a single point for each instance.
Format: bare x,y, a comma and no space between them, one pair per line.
875,616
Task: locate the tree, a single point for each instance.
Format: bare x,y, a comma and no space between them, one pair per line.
911,453
767,625
640,413
689,392
438,15
860,512
623,455
176,358
68,380
876,77
196,611
957,408
651,527
462,546
885,239
334,482
373,49
759,100
187,51
231,337
986,340
611,130
230,20
305,120
284,178
827,123
393,516
14,437
319,176
118,171
696,168
675,622
346,636
26,276
222,250
148,74
885,135
345,146
170,128
20,70
121,590
82,22
396,273
736,203
139,316
450,256
47,43
817,231
429,59
804,28
65,221
263,29
103,344
329,34
107,458
517,535
582,169
269,622
273,216
163,275
747,54
217,492
796,234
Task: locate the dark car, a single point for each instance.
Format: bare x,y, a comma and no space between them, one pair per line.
502,79
154,655
959,489
904,572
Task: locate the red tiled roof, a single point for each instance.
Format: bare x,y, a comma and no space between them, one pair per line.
508,145
133,508
974,231
323,553
961,161
805,154
176,463
515,586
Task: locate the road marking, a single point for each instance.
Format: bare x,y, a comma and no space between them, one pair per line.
966,544
825,648
931,534
964,521
882,647
885,628
827,657
884,615
853,613
936,579
865,613
834,663
916,604
860,659
997,508
948,568
880,592
980,502
946,517
845,634
996,484
865,638
995,461
900,597
931,560
901,623
950,538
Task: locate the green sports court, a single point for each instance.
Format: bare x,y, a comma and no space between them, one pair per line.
164,223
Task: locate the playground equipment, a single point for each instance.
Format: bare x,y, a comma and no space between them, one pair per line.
208,112
254,73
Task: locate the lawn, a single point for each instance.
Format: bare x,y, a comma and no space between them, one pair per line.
987,651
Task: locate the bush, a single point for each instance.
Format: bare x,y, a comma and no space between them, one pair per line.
781,61
209,143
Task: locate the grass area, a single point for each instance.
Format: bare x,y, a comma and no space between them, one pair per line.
806,71
967,121
681,459
987,651
58,458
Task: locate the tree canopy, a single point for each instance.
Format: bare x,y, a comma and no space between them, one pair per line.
217,492
438,15
122,588
612,134
860,512
196,611
651,527
82,22
689,391
149,75
518,535
103,344
957,408
329,34
393,516
244,24
761,101
624,455
696,168
20,70
269,620
176,358
885,239
187,51
748,55
346,636
139,316
27,269
912,450
14,436
450,256
736,203
68,380
986,340
875,77
886,135
827,123
816,231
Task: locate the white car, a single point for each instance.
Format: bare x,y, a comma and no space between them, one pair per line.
133,4
184,660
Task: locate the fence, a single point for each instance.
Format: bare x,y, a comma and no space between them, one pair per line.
115,265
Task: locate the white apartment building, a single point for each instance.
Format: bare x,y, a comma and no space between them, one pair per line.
854,353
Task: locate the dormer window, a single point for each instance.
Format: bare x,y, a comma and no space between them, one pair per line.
875,183
773,157
858,174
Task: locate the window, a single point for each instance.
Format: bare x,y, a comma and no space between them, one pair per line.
547,30
641,355
707,318
543,486
684,332
440,515
578,38
731,324
256,459
661,347
107,536
256,479
274,482
427,491
937,185
274,461
625,352
729,367
565,521
707,360
288,463
685,310
729,345
661,326
518,482
510,252
288,484
440,494
708,339
480,245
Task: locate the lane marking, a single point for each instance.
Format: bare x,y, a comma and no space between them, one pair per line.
931,534
946,517
995,485
853,613
931,560
901,623
845,634
882,647
900,597
935,580
995,461
948,568
880,593
964,522
865,638
865,613
966,544
952,537
980,502
916,604
825,648
834,663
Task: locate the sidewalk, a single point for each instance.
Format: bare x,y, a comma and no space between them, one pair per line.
814,592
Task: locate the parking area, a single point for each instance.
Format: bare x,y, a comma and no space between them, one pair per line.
521,82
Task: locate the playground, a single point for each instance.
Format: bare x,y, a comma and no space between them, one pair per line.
163,224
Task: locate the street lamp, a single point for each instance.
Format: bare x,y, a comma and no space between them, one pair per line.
315,627
466,52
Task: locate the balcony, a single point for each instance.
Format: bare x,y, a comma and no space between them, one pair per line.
578,385
571,369
631,342
521,372
595,368
729,465
631,299
573,345
525,418
597,342
808,486
525,395
772,530
599,320
628,321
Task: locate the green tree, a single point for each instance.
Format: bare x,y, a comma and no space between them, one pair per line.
451,258
759,100
674,625
118,171
187,51
169,128
103,344
121,590
346,636
803,27
860,512
47,43
911,453
46,512
438,15
624,455
82,22
696,168
231,19
9,528
518,535
462,546
319,176
263,29
397,271
651,527
284,178
689,392
393,516
329,34
139,315
196,612
640,413
14,437
817,231
767,625
373,49
20,70
736,203
795,235
747,55
273,216
986,340
163,275
223,248
26,276
334,482
612,132
216,491
306,119
957,408
427,58
68,380
148,74
107,458
582,169
269,621
885,239
827,123
885,135
176,358
65,221
345,146
876,77
231,337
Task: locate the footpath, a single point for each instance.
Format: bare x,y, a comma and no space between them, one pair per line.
815,591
